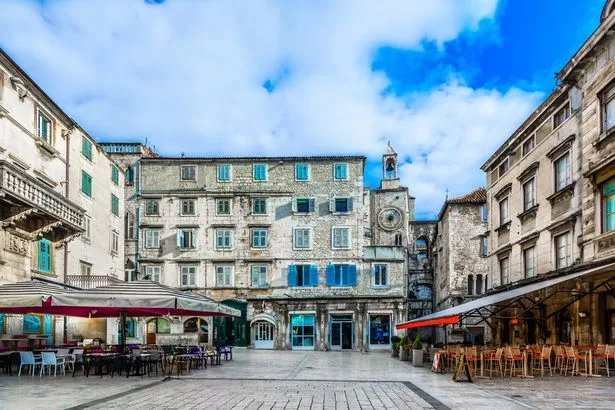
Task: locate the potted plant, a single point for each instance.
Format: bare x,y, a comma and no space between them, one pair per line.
417,352
404,348
395,341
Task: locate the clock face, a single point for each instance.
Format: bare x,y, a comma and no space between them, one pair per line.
390,218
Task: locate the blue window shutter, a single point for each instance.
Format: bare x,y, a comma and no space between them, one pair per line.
350,204
352,275
330,275
312,204
44,257
292,275
180,238
313,275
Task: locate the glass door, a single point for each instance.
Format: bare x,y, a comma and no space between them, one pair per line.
340,332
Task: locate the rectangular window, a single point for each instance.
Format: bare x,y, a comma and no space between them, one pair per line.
86,225
562,172
340,172
85,268
381,278
224,239
340,238
529,262
115,205
259,172
528,145
503,211
152,207
224,172
504,271
259,206
608,109
115,175
259,276
86,183
380,330
529,194
562,251
153,272
44,127
340,205
188,207
188,275
259,237
483,246
188,173
302,238
86,148
503,168
115,242
44,255
608,206
303,205
561,116
302,275
224,276
303,331
302,172
341,275
130,226
484,212
223,206
186,238
152,239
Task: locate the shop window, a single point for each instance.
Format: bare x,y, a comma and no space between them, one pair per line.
303,331
379,329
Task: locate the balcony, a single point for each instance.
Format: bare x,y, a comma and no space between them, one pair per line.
33,207
384,253
90,281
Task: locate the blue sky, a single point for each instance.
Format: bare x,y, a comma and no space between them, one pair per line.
446,81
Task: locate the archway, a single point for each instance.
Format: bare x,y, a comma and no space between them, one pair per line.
156,325
197,325
263,330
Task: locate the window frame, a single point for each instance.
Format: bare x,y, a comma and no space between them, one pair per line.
230,238
311,204
386,273
531,139
50,125
605,99
182,211
115,175
230,172
181,173
266,206
348,230
191,276
230,206
308,172
115,205
310,239
501,270
524,259
157,208
154,271
115,242
562,108
484,213
259,229
259,285
604,205
87,266
484,246
568,247
89,178
230,273
86,149
568,181
346,166
151,231
507,219
181,239
500,165
349,204
532,183
87,226
259,164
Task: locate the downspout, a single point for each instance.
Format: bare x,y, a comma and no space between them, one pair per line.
137,176
66,193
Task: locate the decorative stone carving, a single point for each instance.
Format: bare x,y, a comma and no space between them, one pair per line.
17,245
606,244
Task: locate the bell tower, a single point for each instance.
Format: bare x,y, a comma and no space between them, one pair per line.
390,178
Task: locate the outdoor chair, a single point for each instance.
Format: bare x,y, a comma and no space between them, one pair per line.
538,359
77,357
494,358
514,358
572,359
603,355
28,359
118,365
560,358
225,351
49,360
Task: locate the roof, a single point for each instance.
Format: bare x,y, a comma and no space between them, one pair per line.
262,158
478,196
390,150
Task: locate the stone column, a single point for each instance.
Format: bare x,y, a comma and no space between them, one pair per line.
281,339
321,320
359,327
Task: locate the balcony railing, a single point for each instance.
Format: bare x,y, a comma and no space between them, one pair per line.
90,281
392,253
34,193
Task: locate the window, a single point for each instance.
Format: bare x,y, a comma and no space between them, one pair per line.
504,271
479,284
562,173
193,325
381,278
529,263
503,211
130,176
86,148
259,276
115,205
421,249
86,183
259,238
152,239
303,331
529,194
186,238
302,238
115,175
341,275
503,168
129,220
85,268
302,172
340,205
223,206
528,145
44,255
44,127
302,275
608,206
152,207
86,225
188,173
398,240
484,213
224,172
483,246
608,109
188,275
224,239
561,116
303,205
470,285
562,250
224,276
340,238
259,172
340,172
187,207
153,272
379,329
115,242
259,206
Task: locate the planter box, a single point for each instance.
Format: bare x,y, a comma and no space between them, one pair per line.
404,355
417,357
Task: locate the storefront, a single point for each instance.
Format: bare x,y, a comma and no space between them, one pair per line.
379,331
341,334
303,331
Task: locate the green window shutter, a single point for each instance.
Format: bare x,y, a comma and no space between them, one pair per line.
86,183
115,205
86,148
44,255
115,175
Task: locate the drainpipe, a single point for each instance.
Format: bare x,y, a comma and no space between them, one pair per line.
66,193
137,176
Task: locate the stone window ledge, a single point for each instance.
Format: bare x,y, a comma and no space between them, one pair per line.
531,212
504,227
47,148
568,189
49,274
605,242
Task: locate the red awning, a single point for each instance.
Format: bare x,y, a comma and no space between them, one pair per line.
449,320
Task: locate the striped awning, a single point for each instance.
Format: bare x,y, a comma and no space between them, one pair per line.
20,296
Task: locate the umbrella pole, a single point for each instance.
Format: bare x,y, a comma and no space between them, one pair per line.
123,332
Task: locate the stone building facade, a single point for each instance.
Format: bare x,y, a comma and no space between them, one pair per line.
61,201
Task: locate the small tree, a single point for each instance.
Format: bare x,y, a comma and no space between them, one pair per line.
417,345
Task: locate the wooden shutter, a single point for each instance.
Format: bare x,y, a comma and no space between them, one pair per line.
293,204
330,275
44,256
180,238
332,205
350,204
292,275
313,275
352,275
312,204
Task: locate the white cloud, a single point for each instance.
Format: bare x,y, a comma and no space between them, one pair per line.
189,74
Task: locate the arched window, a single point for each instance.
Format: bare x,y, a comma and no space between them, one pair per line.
129,329
130,176
196,324
421,249
399,240
470,285
390,171
158,325
479,284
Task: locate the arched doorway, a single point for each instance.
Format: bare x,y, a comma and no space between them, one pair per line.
232,331
198,325
156,325
263,330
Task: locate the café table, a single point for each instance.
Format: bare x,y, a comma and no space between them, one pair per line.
589,369
100,359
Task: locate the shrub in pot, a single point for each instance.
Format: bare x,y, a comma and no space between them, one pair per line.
395,341
404,348
417,352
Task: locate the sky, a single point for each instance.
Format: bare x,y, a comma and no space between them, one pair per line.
445,81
